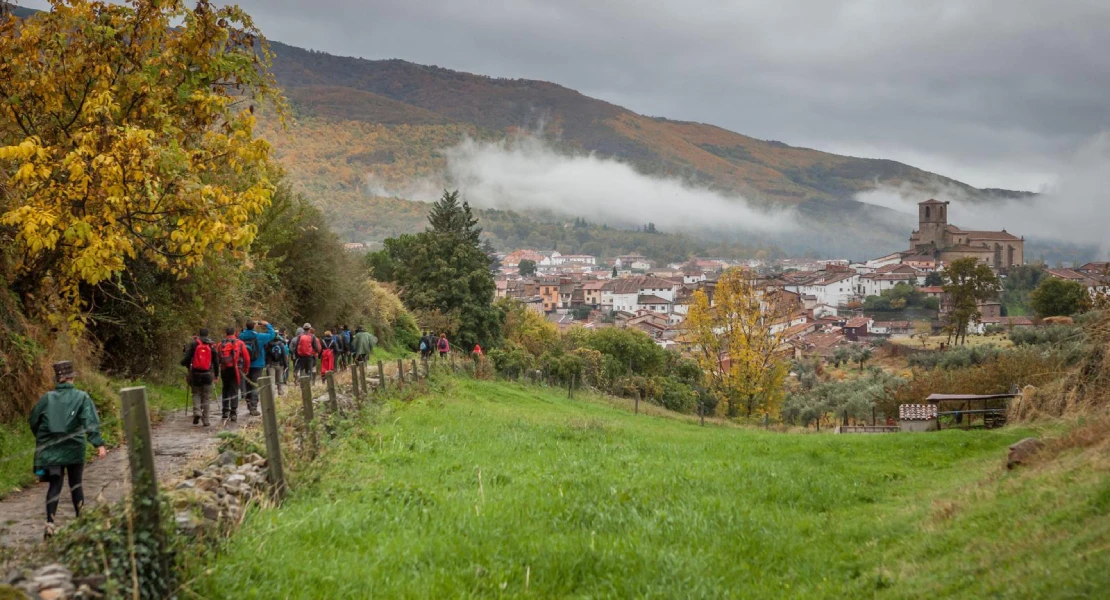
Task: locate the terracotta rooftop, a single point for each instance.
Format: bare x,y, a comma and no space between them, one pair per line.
991,235
855,322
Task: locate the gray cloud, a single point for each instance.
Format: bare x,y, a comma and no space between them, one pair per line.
526,173
992,92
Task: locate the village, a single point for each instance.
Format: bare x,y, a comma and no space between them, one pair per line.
829,300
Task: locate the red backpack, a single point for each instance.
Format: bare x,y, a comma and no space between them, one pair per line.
306,345
202,357
228,355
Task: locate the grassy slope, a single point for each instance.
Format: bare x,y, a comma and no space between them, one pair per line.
489,489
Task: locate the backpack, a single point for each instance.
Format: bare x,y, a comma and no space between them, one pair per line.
253,351
305,345
444,346
329,343
228,358
423,345
277,352
202,357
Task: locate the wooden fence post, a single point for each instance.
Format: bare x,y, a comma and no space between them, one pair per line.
415,371
274,461
570,387
333,399
639,393
362,380
306,404
144,479
354,380
872,416
381,377
400,373
701,410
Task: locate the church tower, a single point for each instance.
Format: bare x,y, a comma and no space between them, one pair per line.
932,221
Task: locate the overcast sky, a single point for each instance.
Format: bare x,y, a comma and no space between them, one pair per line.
997,93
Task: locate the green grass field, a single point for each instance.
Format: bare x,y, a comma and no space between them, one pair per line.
490,489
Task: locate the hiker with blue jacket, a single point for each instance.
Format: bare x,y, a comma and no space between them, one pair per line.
63,421
256,345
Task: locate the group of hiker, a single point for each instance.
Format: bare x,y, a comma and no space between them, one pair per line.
239,359
65,419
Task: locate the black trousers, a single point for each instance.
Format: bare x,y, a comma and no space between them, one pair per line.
306,365
253,375
54,491
230,388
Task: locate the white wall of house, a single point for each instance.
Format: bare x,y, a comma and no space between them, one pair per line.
663,309
625,302
837,293
874,287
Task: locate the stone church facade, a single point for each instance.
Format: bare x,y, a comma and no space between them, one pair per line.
936,238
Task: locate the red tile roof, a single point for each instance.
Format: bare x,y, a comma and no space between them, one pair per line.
856,322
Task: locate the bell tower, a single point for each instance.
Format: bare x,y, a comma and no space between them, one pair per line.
932,220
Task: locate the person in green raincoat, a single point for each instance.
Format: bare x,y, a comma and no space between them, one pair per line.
63,421
362,345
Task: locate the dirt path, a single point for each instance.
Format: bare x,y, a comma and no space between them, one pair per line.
176,443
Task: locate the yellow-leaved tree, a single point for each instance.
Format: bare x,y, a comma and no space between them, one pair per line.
737,339
127,132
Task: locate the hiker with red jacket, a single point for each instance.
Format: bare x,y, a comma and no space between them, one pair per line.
306,347
330,347
200,358
233,361
443,346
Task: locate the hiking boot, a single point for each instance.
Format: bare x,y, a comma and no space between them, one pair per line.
253,411
204,423
49,531
196,419
224,415
234,418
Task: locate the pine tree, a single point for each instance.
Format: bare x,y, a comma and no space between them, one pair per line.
449,217
444,272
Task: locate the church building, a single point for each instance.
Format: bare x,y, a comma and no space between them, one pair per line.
936,238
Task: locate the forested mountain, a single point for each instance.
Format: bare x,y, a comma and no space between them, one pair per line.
363,129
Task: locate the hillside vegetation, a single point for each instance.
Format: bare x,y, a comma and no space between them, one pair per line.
492,489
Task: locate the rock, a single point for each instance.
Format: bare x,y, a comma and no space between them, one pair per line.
188,484
184,521
210,511
90,583
221,492
52,569
1022,451
54,593
206,484
229,457
235,480
255,459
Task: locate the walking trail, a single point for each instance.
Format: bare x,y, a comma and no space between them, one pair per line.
176,443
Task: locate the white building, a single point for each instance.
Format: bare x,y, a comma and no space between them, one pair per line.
624,294
835,288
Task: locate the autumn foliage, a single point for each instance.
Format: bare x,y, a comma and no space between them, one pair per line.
736,342
127,132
